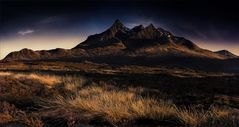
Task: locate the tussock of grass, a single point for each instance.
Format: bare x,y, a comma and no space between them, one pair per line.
192,116
44,79
120,106
72,83
116,105
220,113
47,80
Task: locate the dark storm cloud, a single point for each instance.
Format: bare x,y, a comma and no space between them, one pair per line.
208,20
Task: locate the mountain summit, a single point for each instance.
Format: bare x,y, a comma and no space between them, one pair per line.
143,41
118,24
118,40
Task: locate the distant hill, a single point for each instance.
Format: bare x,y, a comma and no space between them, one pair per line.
119,40
226,54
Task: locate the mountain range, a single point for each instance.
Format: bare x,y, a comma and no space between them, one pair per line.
118,40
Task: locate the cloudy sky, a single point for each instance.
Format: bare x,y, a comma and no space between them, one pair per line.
47,24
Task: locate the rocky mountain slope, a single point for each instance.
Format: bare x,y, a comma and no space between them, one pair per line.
119,40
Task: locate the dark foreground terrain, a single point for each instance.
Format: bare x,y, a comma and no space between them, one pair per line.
84,93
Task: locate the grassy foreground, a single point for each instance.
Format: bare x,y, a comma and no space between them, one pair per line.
48,100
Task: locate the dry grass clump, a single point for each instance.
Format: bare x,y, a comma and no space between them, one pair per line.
192,116
119,106
8,114
213,117
72,83
47,80
220,113
11,87
67,82
22,85
5,73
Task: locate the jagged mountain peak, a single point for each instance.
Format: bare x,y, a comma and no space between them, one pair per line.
137,28
118,26
148,35
148,32
150,26
164,32
117,21
106,36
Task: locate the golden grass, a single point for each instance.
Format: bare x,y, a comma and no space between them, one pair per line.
72,83
44,79
5,73
115,105
119,106
221,113
192,116
47,80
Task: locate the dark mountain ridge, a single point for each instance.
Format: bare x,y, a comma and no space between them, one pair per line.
119,40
